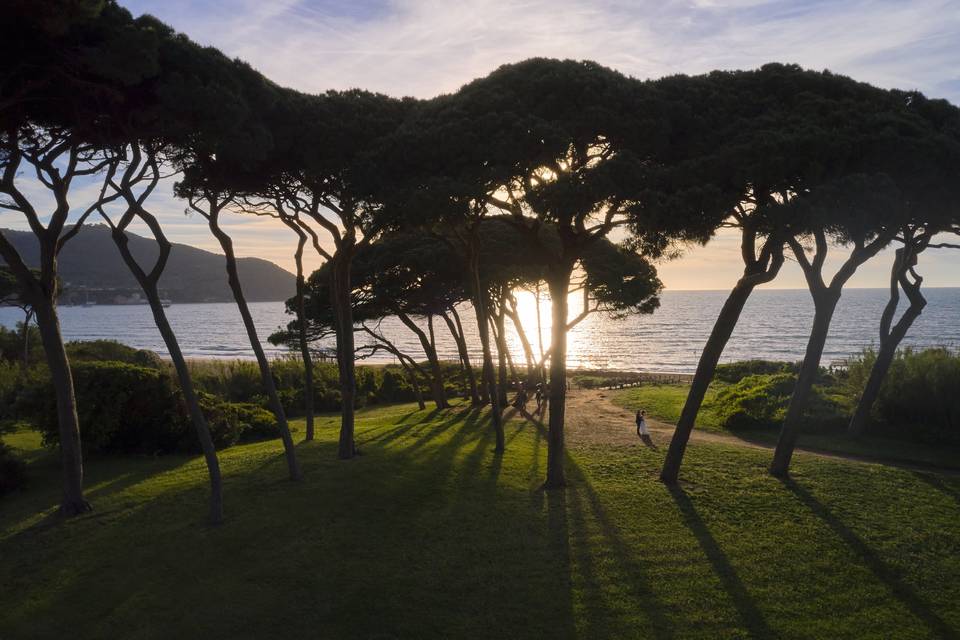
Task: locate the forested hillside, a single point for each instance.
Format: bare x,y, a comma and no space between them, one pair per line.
90,266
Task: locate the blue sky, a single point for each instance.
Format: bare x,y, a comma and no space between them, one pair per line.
426,47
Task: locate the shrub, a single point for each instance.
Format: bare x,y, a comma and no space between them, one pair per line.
256,423
10,385
112,351
755,401
11,343
394,387
13,470
121,408
761,401
733,372
224,428
920,397
235,381
233,422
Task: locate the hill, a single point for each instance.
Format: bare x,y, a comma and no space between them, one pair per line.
91,268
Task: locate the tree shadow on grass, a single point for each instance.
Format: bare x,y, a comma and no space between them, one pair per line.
938,483
898,587
558,532
584,503
750,614
403,428
106,476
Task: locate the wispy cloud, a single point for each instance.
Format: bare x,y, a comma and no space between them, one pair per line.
426,47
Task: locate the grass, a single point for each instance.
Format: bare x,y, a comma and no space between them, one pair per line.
665,401
429,534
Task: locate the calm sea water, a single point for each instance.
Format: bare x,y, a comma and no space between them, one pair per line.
774,325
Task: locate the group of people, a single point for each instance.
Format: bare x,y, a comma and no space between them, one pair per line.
541,391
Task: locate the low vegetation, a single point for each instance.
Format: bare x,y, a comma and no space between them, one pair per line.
915,418
443,538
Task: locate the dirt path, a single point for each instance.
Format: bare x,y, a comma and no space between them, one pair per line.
592,418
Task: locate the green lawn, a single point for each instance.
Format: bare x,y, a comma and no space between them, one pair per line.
431,535
665,401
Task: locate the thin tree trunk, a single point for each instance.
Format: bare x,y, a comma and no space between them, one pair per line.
414,384
890,337
72,502
27,319
343,311
497,322
437,389
540,368
825,303
559,284
148,283
480,308
266,376
193,404
435,364
754,275
304,344
524,342
825,299
457,332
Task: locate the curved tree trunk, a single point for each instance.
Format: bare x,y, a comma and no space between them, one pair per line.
266,377
457,332
343,312
890,337
490,384
27,319
437,389
825,299
524,343
193,404
826,303
541,370
502,355
304,344
559,284
72,502
148,283
414,384
754,274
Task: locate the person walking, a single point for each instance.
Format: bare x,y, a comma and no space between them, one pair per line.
642,431
520,402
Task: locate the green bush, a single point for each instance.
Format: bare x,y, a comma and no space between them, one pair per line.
256,423
761,401
920,396
13,470
112,351
733,372
755,401
11,382
121,408
394,387
11,344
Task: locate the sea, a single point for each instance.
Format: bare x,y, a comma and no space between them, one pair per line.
774,326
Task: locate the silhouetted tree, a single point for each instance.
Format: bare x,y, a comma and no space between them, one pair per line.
227,143
768,137
10,295
932,182
320,163
908,171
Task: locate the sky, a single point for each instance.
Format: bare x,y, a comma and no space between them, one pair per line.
423,48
